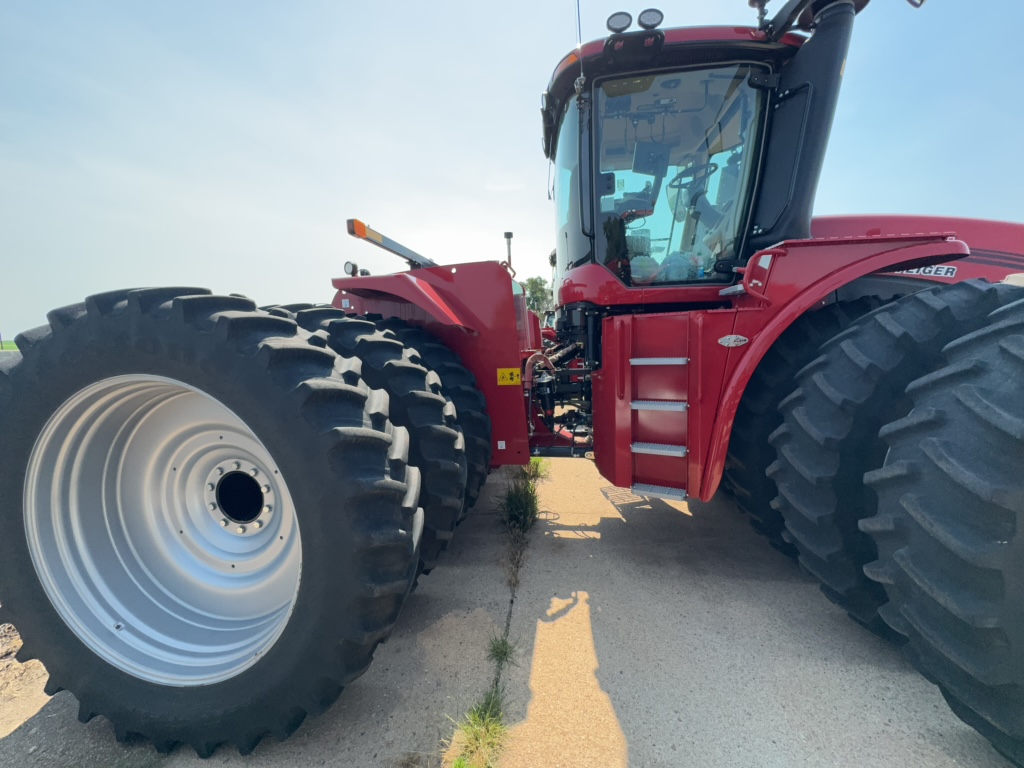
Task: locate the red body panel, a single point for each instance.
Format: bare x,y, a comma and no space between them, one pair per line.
997,247
781,284
800,276
470,308
598,285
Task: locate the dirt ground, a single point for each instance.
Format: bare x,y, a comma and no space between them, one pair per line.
21,685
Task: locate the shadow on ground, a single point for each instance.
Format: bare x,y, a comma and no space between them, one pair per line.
711,648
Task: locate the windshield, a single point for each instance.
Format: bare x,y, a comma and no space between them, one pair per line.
674,155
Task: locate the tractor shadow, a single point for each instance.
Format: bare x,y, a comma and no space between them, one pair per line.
711,647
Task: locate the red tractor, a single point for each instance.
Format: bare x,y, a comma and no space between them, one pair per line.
212,513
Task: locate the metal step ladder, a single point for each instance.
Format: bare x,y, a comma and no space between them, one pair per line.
659,465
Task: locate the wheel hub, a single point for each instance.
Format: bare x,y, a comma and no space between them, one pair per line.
240,496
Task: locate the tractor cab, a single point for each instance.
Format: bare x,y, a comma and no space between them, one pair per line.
673,165
679,153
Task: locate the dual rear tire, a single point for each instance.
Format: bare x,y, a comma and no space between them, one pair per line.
899,477
949,528
757,417
829,438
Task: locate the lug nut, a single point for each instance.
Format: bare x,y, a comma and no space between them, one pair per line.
240,529
213,505
238,465
223,523
265,489
267,509
254,471
258,524
210,486
220,470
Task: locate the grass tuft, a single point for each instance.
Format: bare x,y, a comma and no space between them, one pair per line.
519,509
478,737
501,651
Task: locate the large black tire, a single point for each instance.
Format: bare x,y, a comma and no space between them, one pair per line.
757,416
437,445
124,515
950,529
829,436
459,384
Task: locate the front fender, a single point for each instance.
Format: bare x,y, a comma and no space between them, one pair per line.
471,309
418,292
782,284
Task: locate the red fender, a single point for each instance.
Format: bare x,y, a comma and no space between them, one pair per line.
997,247
403,288
470,307
795,278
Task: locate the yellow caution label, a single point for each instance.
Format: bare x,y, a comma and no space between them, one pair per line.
508,377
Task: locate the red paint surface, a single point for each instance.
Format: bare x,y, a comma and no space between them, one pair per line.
997,247
798,276
470,308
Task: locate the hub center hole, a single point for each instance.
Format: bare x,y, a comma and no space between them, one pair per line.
239,497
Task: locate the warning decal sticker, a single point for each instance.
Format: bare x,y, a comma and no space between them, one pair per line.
509,377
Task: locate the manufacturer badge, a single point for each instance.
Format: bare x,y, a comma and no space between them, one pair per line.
733,341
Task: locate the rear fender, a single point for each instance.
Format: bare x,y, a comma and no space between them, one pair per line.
470,308
782,284
997,247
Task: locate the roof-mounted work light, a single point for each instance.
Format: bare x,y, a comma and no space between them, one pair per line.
619,22
650,18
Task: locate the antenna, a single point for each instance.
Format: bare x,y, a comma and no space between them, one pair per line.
508,264
581,80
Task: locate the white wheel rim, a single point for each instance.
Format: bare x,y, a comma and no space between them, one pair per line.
162,531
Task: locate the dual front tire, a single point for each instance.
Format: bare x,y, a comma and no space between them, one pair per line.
209,521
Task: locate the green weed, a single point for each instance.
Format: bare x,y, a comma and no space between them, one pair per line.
478,737
501,651
519,509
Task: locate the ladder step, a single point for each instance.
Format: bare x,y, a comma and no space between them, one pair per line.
659,492
659,405
659,449
659,360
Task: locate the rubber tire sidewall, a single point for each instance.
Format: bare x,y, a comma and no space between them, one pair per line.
98,349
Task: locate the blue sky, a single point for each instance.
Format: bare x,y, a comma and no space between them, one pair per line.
224,144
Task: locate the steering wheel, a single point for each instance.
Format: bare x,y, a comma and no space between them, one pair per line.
693,173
